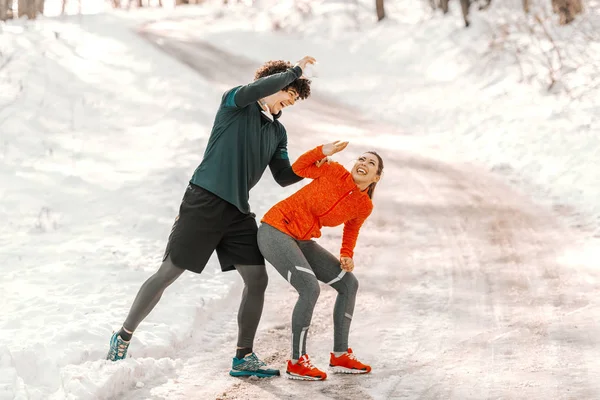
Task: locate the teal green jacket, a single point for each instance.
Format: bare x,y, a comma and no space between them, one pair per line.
244,141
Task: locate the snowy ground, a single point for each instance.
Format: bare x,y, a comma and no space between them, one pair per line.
469,289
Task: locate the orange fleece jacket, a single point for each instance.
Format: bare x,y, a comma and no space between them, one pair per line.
331,199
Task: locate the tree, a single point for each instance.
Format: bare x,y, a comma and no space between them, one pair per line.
3,10
28,8
567,10
380,10
465,5
39,6
444,6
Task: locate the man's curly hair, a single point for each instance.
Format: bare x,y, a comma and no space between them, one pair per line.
301,86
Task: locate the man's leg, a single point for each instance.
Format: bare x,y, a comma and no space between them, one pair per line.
239,250
246,362
253,297
195,235
145,301
149,295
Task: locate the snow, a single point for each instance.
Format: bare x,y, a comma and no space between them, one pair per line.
97,146
477,261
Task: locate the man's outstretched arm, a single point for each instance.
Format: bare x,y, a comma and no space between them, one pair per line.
266,86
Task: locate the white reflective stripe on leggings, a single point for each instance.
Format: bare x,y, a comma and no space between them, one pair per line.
337,278
307,270
301,341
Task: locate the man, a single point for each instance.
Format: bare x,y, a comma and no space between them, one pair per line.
215,215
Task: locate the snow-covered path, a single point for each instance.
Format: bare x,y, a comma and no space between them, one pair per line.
469,290
466,288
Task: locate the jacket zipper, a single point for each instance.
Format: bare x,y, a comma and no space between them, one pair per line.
327,212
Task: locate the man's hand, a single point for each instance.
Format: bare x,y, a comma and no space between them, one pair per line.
306,60
330,149
347,264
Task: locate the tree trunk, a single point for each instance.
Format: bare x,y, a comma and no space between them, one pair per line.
380,10
485,5
26,7
465,5
526,6
39,6
3,10
567,10
444,6
21,8
31,10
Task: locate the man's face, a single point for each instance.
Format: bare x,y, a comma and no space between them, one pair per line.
284,98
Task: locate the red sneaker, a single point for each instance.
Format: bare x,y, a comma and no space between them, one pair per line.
348,364
303,370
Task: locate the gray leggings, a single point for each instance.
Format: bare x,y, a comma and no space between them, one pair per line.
303,263
255,283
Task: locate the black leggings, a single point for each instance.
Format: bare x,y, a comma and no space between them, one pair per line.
255,283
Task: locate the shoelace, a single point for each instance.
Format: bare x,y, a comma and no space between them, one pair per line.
306,363
121,348
255,358
351,356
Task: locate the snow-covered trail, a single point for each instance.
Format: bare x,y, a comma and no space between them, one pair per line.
467,290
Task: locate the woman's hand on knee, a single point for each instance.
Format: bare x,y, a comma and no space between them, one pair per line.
347,264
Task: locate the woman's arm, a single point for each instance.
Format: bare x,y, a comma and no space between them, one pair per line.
351,229
306,165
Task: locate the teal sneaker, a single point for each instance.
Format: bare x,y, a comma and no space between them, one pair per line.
251,366
118,348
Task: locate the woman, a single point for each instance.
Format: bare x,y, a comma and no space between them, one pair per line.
334,197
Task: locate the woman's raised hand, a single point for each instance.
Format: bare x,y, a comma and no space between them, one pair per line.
330,149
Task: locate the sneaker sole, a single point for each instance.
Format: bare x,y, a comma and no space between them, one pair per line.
252,373
344,370
303,377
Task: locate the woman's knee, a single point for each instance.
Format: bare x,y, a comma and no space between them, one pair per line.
349,284
308,289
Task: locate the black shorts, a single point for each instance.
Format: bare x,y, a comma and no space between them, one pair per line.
207,223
